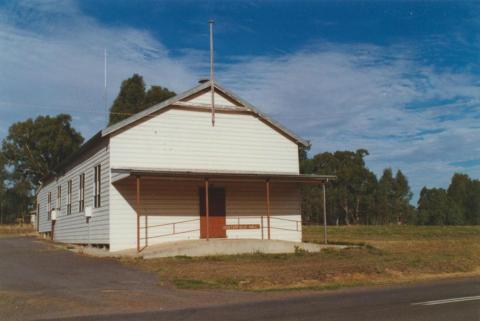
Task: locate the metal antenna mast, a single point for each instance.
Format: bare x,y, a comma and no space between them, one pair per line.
212,75
105,86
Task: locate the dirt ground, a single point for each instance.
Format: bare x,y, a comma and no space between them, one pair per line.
383,254
40,280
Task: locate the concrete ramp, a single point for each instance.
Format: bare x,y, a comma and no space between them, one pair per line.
228,247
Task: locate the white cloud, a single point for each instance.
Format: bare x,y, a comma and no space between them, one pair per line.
350,97
57,63
340,97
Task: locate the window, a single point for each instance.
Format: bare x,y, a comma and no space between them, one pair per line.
97,182
81,200
49,206
59,197
69,197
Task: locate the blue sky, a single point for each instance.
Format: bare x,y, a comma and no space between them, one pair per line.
398,78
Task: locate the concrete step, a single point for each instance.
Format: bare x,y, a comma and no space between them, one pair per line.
229,247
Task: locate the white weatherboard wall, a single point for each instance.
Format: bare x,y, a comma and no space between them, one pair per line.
169,201
73,228
163,201
247,201
185,140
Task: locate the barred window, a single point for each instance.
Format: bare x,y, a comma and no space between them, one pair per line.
49,206
59,198
81,200
97,188
69,197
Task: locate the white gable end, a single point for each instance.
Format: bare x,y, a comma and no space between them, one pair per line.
200,97
206,99
185,140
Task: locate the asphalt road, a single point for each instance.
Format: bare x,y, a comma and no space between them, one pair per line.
413,302
39,280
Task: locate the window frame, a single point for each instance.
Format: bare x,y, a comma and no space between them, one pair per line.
97,178
69,197
59,198
49,206
81,193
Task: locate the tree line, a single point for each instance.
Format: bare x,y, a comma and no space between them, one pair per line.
31,150
34,148
459,204
358,196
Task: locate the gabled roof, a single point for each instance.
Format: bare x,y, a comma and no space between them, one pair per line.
242,104
198,89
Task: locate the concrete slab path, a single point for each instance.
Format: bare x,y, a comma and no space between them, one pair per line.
229,247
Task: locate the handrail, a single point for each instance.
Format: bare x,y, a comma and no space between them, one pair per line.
238,218
165,224
169,234
283,219
173,224
297,222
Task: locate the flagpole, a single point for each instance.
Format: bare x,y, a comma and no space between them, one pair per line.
105,86
212,75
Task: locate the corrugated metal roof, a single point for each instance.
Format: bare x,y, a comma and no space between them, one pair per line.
201,174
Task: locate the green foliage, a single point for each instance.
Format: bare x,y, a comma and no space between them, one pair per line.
459,189
459,204
393,198
401,202
305,162
385,196
129,100
3,175
156,94
16,202
32,150
3,188
132,98
472,208
350,197
435,207
356,197
35,147
465,192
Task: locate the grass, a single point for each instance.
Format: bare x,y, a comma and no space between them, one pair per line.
15,229
390,254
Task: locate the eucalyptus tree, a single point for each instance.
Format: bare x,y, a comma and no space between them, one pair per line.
32,150
35,147
133,98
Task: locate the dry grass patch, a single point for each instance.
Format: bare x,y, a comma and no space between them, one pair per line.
14,229
390,254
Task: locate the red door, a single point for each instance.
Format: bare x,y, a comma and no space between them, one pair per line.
217,212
